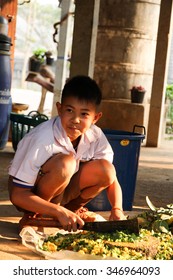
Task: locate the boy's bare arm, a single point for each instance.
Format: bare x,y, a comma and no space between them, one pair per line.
26,199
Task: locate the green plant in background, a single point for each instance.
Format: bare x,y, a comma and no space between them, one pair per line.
169,98
37,59
169,92
39,54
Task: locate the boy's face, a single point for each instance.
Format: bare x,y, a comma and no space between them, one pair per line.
77,116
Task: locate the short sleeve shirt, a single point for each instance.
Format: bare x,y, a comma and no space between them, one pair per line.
48,139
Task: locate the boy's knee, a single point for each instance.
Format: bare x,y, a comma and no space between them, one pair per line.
107,172
64,165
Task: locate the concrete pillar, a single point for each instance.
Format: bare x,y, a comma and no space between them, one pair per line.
84,37
125,53
126,45
160,74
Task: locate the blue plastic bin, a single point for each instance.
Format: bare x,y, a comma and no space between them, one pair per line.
126,147
5,88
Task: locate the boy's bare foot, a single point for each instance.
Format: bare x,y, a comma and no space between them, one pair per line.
86,215
24,221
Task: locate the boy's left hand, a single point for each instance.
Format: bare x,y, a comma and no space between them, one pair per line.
117,214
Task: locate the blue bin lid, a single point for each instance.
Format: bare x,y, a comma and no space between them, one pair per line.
120,134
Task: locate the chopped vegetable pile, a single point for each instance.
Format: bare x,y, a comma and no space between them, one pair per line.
155,240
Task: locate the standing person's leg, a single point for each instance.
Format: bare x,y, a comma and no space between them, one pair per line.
92,177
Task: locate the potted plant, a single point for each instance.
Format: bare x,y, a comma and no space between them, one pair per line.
37,59
49,58
137,94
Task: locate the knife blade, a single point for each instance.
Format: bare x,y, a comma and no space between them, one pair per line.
130,225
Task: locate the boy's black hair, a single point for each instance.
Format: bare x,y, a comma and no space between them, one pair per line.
83,88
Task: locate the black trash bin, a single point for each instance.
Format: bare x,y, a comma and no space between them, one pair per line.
126,147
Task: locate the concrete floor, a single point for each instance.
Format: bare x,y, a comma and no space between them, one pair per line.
155,179
155,176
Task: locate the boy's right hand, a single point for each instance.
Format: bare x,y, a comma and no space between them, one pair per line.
68,219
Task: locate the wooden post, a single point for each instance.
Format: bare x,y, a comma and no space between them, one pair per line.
160,74
63,51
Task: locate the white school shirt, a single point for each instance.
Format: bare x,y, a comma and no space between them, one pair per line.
49,138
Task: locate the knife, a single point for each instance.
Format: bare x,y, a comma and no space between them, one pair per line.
130,225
